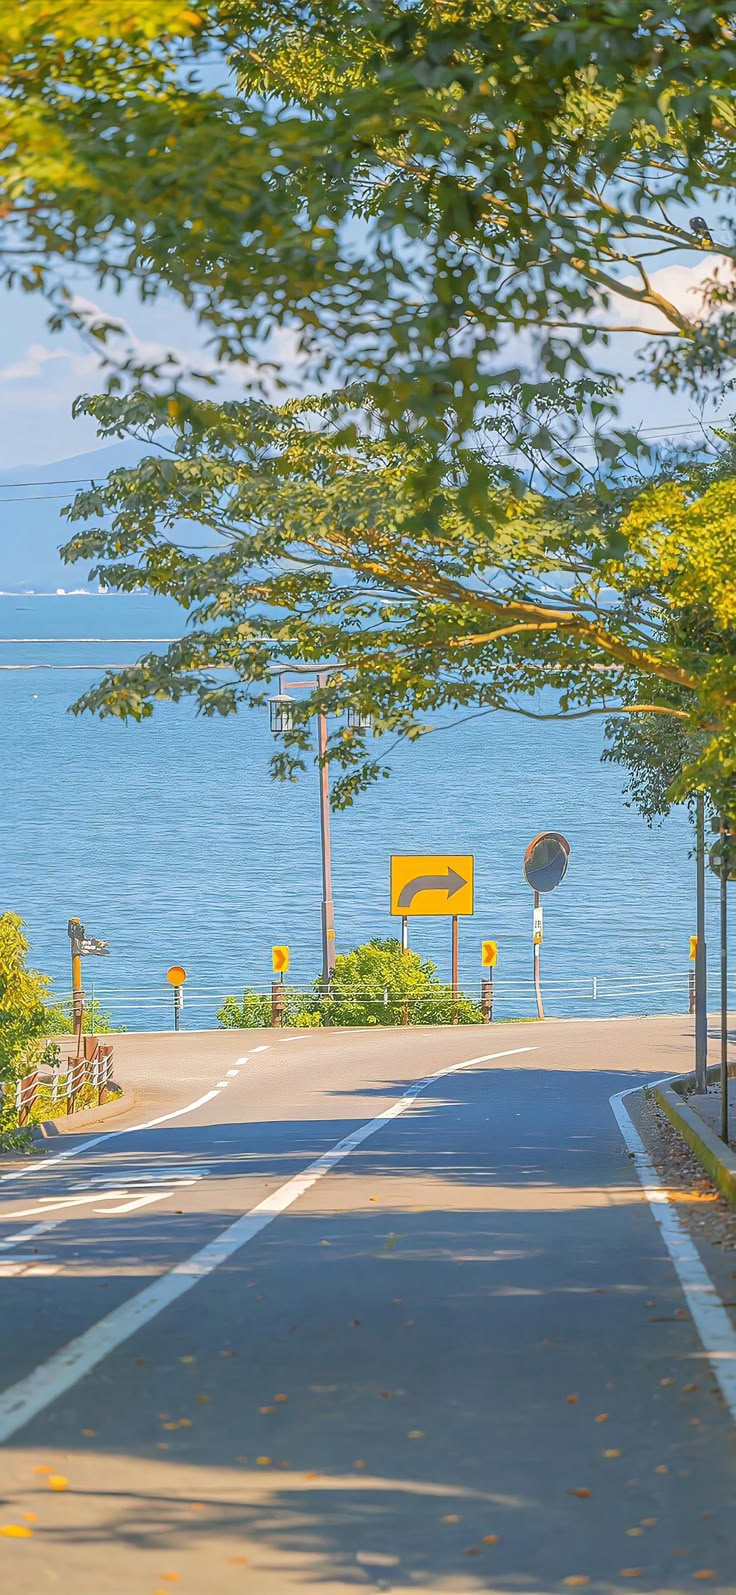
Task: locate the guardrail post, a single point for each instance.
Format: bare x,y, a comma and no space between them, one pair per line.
278,1003
486,999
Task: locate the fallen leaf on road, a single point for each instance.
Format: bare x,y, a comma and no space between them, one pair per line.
263,1462
281,1398
310,1475
89,1434
689,1387
202,1399
241,1459
359,1464
576,1579
185,1423
228,1353
634,1531
187,1359
163,1445
704,1572
472,1551
196,1506
415,1434
650,1304
648,1522
409,1323
16,1531
602,1417
43,1469
630,1572
611,1453
584,1495
236,1561
662,1468
452,1517
266,1409
490,1539
572,1401
666,1381
170,1426
57,1481
172,1577
29,1517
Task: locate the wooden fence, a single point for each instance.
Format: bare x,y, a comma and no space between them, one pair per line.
65,1085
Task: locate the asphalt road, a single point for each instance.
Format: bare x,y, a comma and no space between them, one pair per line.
454,1357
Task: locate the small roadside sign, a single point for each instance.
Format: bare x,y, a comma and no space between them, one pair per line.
538,929
489,954
281,959
176,975
426,884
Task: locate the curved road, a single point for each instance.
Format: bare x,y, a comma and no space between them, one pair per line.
369,1310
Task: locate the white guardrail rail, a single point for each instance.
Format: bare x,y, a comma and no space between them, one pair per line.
150,1006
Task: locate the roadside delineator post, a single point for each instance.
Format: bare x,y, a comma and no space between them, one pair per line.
489,959
176,977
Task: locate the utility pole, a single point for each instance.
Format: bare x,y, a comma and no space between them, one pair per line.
328,907
701,958
724,873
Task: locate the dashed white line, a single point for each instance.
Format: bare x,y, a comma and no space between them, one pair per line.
66,1367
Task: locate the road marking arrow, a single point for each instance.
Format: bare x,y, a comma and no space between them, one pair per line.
451,882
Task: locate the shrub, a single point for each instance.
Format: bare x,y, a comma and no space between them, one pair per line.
23,1033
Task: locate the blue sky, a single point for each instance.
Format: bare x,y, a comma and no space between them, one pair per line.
41,373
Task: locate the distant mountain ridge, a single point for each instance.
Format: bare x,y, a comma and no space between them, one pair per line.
32,528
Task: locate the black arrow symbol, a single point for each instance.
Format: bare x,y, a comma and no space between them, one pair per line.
450,882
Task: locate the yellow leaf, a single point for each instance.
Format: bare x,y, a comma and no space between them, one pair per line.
490,1539
583,1494
29,1517
89,1434
602,1417
572,1401
203,1400
263,1462
632,1532
281,1398
415,1434
452,1517
266,1409
43,1470
630,1572
575,1579
648,1522
58,1482
704,1572
187,1359
16,1531
611,1453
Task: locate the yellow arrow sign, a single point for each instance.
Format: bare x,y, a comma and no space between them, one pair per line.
280,957
424,884
489,954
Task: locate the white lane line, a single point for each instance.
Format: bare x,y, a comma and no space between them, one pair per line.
260,1049
221,1084
232,1073
711,1319
111,1135
28,1234
24,1400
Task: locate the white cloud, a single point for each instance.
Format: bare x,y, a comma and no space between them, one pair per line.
684,286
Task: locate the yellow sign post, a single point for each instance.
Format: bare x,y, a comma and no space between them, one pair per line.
280,958
426,884
176,975
489,954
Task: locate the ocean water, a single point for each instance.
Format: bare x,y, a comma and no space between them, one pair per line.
171,840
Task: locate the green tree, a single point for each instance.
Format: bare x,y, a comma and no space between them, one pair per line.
312,549
396,190
23,1033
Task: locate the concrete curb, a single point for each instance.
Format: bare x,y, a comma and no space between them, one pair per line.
52,1128
717,1159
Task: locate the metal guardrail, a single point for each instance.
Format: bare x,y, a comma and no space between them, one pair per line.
149,1005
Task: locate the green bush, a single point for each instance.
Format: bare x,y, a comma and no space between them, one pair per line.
253,1011
378,984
